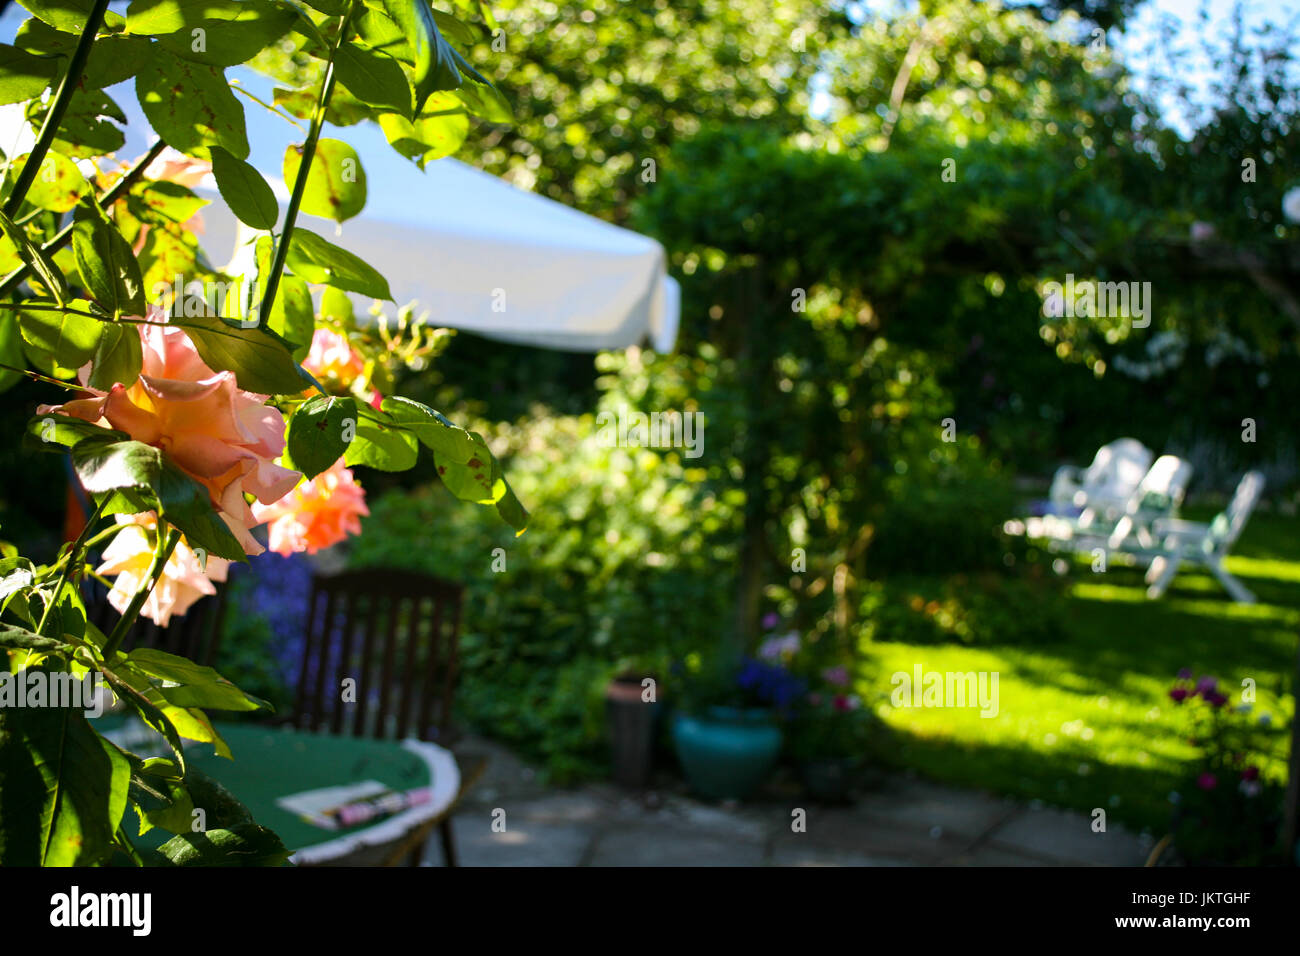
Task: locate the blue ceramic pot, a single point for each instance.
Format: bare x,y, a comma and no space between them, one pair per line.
727,752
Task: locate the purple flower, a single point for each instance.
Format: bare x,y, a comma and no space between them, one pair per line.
1179,694
1206,685
774,648
1185,673
1215,699
836,676
1207,781
770,620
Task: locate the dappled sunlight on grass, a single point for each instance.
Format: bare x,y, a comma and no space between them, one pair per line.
1087,722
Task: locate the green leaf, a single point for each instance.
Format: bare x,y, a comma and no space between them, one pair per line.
477,479
187,505
381,447
56,432
106,264
64,790
58,185
154,17
485,102
113,58
118,357
19,638
432,57
244,190
200,686
89,127
190,105
36,260
104,464
134,689
439,131
336,183
293,315
260,359
336,306
11,351
512,512
243,845
72,339
433,430
318,432
70,16
23,76
318,260
231,41
373,78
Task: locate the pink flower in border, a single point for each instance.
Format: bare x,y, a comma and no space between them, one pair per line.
836,676
184,579
223,437
1207,781
1179,694
317,514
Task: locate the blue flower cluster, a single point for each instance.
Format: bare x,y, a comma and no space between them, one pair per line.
278,590
770,684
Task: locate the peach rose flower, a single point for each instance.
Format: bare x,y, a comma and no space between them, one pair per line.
333,357
317,514
173,166
221,436
184,579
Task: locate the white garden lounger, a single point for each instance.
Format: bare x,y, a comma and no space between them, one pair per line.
1104,487
1205,544
1157,497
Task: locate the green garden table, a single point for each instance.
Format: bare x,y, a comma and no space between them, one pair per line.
272,763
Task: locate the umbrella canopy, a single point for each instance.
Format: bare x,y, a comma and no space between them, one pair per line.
484,256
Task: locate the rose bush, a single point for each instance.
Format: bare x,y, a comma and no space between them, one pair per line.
192,418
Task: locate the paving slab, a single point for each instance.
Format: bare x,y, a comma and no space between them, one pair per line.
523,843
1068,837
625,845
929,806
793,853
846,831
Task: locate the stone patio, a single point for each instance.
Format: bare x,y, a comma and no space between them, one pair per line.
509,819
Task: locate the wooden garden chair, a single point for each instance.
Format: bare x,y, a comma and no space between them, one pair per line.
394,634
1106,484
196,634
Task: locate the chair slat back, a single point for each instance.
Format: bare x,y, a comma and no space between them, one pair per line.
1118,468
196,634
380,655
1164,485
1227,526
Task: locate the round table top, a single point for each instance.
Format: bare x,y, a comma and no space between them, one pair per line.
272,763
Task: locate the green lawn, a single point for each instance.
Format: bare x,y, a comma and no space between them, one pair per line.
1087,722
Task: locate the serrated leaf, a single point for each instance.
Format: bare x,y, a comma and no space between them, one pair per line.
58,185
244,190
260,359
318,432
382,448
318,260
69,337
155,17
336,182
196,681
107,266
439,131
23,76
190,105
373,78
433,430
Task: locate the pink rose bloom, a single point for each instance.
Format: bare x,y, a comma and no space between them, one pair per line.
184,579
317,514
333,357
173,166
221,436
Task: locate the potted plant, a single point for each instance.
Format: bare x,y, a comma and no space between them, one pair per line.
728,734
827,736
